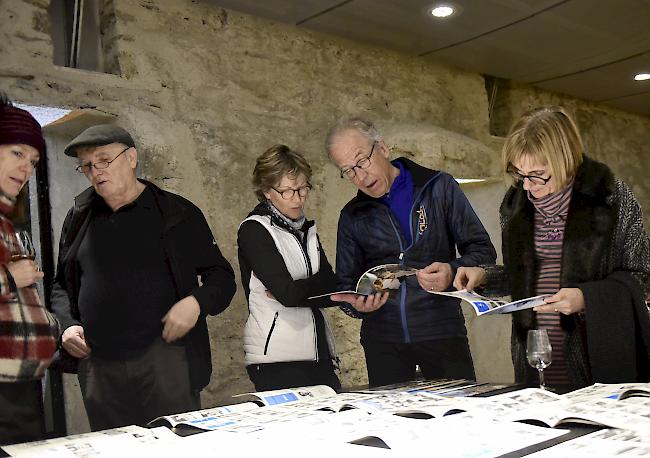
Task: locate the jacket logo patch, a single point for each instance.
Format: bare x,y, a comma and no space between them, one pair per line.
423,224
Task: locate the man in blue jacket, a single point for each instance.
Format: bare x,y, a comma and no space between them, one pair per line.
417,217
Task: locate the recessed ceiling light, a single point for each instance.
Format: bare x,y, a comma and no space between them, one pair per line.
642,77
442,10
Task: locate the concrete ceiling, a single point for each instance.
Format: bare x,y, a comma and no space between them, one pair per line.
586,48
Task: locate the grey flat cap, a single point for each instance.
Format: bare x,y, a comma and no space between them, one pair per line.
102,134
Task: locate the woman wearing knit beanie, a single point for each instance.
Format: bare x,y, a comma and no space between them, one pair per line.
28,332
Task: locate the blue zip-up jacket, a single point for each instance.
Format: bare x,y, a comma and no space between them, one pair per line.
442,220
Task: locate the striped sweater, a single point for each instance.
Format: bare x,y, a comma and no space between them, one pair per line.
604,245
550,218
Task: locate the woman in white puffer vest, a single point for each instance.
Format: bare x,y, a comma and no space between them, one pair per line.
286,339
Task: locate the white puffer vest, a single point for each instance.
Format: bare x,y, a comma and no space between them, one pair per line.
275,333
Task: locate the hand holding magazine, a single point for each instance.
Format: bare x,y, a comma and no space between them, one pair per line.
486,306
379,279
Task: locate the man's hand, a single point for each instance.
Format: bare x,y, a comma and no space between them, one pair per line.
25,272
74,342
566,300
180,319
435,277
363,304
469,278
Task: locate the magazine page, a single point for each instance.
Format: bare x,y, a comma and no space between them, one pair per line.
336,403
297,439
275,397
486,306
384,278
609,412
433,386
526,404
532,407
378,279
458,435
610,391
411,404
606,442
200,416
108,442
462,435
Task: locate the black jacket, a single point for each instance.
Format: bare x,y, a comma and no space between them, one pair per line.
442,221
191,251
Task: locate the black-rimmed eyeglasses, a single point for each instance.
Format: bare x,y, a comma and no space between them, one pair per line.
362,163
86,168
288,194
532,178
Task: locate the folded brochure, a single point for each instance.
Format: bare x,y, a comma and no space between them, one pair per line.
487,306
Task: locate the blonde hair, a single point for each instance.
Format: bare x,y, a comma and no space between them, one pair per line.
549,136
275,163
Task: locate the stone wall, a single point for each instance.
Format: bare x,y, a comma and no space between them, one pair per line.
205,91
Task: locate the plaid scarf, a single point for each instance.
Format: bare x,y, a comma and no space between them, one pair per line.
28,332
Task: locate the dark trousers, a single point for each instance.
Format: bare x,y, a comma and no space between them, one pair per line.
275,376
136,389
21,412
390,363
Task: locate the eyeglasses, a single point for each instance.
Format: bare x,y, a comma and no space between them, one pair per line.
362,163
532,178
288,194
86,168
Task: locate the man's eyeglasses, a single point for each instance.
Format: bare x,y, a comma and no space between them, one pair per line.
86,168
288,194
532,178
362,163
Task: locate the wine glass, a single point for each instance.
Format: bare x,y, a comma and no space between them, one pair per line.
24,248
538,352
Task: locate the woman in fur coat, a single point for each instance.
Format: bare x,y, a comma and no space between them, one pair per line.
573,230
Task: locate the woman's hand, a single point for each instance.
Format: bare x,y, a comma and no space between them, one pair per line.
566,300
24,272
469,278
364,304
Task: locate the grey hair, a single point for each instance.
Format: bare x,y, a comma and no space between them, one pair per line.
364,126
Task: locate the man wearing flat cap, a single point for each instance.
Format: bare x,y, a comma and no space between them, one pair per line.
127,290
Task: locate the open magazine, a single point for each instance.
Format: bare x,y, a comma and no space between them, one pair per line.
379,279
593,405
212,418
487,306
616,391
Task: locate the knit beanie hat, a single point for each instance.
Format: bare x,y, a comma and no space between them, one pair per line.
18,127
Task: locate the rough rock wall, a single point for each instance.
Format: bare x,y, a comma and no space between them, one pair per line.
205,91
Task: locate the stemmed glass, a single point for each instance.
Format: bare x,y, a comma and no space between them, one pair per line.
538,352
24,248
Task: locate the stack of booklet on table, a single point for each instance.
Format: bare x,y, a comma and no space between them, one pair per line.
405,418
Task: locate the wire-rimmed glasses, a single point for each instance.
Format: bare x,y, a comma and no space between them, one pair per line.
86,168
287,194
362,163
